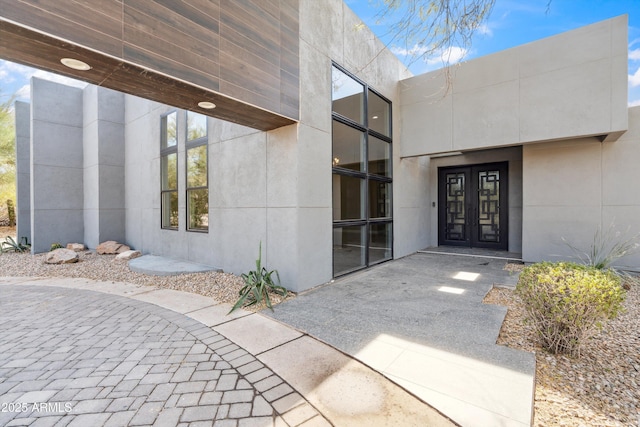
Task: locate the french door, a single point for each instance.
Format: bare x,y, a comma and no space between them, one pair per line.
473,206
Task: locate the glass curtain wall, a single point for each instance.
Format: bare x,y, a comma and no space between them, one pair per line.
362,175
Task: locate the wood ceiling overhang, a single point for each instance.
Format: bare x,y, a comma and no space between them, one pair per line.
241,56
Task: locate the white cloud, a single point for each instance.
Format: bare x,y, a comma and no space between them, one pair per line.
634,79
24,92
634,55
485,30
451,55
635,103
416,50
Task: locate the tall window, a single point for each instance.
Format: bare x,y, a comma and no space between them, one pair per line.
197,173
169,171
362,179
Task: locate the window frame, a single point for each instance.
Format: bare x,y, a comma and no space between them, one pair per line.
166,151
191,144
367,221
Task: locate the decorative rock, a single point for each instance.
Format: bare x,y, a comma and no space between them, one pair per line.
61,256
78,247
111,247
127,255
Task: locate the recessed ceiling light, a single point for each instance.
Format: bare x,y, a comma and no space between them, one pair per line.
75,64
374,117
206,105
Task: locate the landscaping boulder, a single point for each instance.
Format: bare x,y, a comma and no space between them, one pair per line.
127,255
111,247
61,256
78,247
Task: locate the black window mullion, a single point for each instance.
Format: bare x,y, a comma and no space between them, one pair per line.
369,176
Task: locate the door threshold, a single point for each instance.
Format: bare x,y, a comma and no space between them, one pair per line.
473,253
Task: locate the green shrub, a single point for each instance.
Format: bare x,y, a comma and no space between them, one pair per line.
568,303
257,285
55,246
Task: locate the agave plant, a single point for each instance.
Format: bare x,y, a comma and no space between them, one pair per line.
10,245
608,246
258,284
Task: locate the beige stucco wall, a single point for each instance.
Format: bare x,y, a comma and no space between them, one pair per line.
573,188
570,85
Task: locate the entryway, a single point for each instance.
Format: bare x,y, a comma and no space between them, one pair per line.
473,206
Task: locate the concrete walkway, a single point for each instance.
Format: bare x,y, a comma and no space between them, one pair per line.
421,322
76,352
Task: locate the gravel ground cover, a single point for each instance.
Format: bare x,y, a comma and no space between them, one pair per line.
601,387
222,287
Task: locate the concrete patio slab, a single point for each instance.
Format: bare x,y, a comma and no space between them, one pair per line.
162,266
216,314
257,333
345,391
420,321
181,302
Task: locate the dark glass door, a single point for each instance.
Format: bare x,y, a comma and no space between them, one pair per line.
473,206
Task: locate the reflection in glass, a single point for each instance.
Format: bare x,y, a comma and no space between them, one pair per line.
379,157
348,147
168,131
196,126
348,197
348,249
170,209
197,166
170,171
347,96
379,112
380,242
198,208
379,199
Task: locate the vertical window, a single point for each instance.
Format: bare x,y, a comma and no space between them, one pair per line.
362,178
169,171
197,173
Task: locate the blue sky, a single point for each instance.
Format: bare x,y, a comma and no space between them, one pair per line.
516,22
512,23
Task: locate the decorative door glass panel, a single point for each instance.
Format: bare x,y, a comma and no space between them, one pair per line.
489,206
456,226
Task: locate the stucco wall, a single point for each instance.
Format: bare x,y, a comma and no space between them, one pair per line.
23,179
570,85
56,165
103,148
573,188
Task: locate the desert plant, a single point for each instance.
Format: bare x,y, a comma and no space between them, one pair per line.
607,247
568,303
55,246
257,285
10,245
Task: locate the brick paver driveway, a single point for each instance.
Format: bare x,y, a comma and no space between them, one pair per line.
82,358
